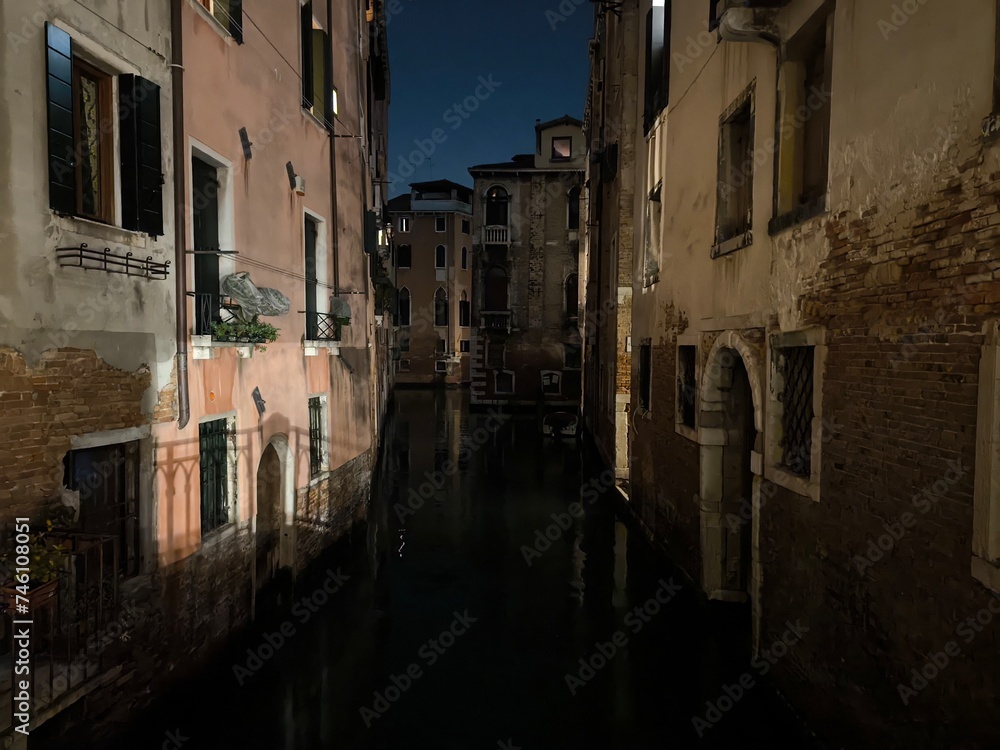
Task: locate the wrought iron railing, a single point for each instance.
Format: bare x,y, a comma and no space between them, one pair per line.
77,626
495,320
322,326
210,309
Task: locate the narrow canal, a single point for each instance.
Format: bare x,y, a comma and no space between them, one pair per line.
482,608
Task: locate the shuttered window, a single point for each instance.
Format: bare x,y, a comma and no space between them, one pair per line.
316,73
81,141
213,439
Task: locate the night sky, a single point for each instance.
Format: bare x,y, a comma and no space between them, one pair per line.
442,52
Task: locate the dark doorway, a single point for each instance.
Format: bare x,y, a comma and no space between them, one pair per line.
737,479
268,516
205,220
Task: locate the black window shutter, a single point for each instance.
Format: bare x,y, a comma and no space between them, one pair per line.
307,55
141,155
236,20
59,91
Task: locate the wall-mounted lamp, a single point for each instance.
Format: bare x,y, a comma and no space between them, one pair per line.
297,184
245,140
335,103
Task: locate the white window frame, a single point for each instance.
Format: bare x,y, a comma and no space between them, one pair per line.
773,470
443,222
441,366
404,224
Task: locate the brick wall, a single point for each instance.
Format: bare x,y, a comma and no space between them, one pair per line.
68,392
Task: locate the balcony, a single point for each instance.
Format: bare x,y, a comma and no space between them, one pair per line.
498,321
496,235
323,332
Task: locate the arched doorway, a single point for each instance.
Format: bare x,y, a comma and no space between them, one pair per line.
730,427
269,514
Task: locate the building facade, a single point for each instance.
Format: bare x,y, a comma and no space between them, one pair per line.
187,174
813,400
526,272
432,227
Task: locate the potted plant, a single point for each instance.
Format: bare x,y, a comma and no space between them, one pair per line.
37,580
251,331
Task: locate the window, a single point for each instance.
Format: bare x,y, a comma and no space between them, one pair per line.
495,351
657,66
735,184
440,366
404,365
572,356
573,208
404,256
795,381
496,290
205,221
404,223
804,122
497,205
464,346
229,13
464,311
562,148
213,449
551,383
466,226
404,343
317,436
504,382
645,374
317,76
440,257
465,259
441,308
107,479
440,224
440,346
81,135
572,296
654,215
403,315
687,385
312,282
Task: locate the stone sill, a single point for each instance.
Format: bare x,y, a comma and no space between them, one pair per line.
691,433
986,573
733,244
313,348
204,347
807,487
797,216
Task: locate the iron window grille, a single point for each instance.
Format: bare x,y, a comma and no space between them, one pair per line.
686,385
315,437
213,439
795,363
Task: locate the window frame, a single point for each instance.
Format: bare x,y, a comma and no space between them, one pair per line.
441,221
464,346
226,516
466,226
725,242
465,259
440,257
404,224
496,382
409,257
443,310
774,471
319,453
107,138
555,377
409,307
555,156
688,341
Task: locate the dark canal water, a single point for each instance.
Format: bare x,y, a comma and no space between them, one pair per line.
448,638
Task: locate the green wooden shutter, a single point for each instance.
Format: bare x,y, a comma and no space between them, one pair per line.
141,155
61,124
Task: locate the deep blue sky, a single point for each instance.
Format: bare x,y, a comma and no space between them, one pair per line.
438,51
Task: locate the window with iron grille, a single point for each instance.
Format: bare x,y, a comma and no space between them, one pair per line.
645,375
213,458
795,363
315,437
107,479
686,385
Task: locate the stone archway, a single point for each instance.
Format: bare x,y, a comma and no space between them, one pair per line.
276,502
731,437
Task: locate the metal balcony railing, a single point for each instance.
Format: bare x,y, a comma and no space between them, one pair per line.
493,235
495,320
210,309
322,327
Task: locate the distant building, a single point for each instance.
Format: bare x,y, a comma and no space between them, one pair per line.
432,227
527,228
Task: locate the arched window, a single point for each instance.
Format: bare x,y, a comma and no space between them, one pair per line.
403,256
496,290
440,307
572,296
464,311
573,218
403,312
497,206
440,257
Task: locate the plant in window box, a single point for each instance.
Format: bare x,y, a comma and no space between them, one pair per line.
251,331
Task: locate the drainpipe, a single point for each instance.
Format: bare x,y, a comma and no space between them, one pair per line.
180,236
335,239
